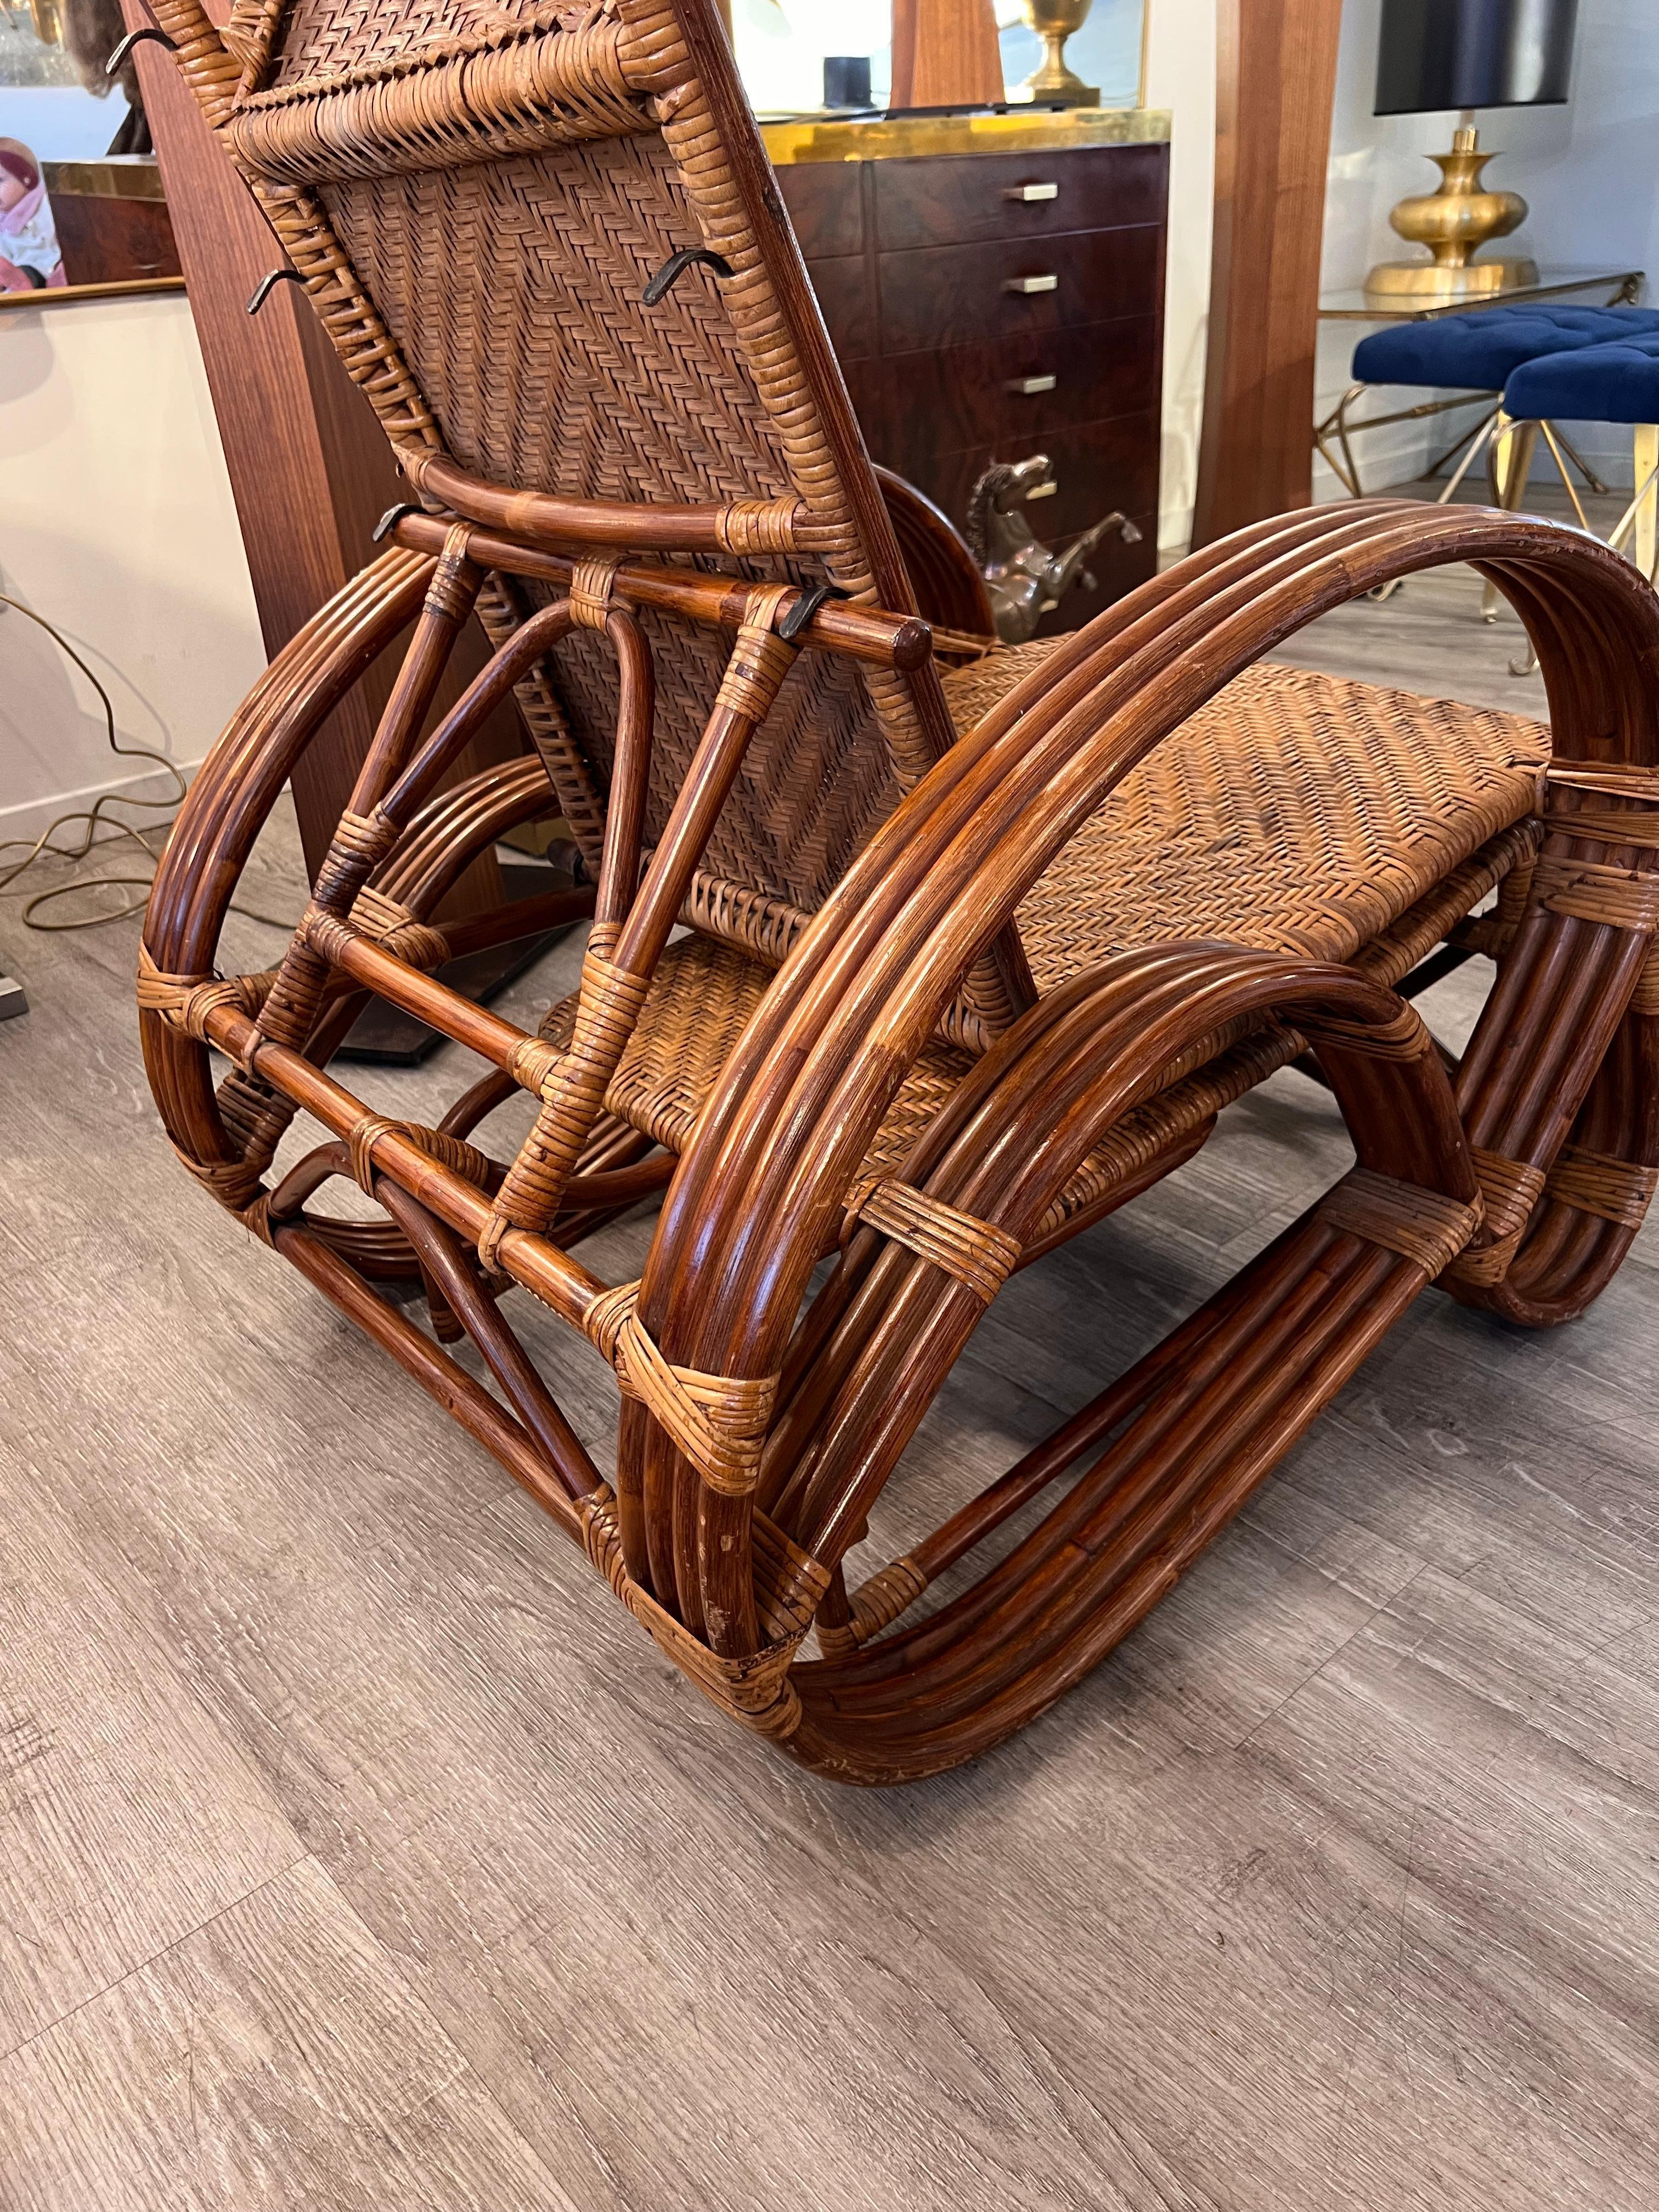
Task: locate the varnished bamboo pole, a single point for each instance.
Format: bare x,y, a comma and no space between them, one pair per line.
450,594
545,518
559,1281
454,1016
511,1365
904,642
505,1439
630,775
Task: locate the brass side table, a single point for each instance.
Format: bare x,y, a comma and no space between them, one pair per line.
1333,436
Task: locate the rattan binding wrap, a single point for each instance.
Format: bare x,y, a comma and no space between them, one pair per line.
1588,890
754,1691
572,1089
718,1421
185,1001
1423,1226
876,1604
1596,1182
1509,1189
978,1254
392,926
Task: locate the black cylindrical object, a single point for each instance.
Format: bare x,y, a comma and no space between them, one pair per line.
846,80
1435,54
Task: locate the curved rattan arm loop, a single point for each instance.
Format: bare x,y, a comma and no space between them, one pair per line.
1027,1115
862,991
1064,676
228,802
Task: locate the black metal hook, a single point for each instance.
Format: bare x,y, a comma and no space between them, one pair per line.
136,38
676,266
267,285
391,518
806,607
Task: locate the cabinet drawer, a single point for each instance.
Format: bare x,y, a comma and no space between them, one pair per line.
1017,392
968,295
1104,466
959,197
826,200
848,305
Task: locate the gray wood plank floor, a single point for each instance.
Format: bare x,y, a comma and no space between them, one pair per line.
355,1851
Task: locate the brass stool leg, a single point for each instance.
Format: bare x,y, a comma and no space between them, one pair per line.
1509,465
1479,439
1646,439
1640,520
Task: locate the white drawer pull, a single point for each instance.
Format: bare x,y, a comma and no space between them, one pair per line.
1030,284
1032,385
1029,192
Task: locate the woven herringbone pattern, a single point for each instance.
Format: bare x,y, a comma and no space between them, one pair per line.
702,996
1296,812
323,39
526,276
514,291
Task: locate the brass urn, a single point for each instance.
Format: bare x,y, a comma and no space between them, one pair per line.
1054,84
1453,223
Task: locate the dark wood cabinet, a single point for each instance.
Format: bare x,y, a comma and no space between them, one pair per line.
988,305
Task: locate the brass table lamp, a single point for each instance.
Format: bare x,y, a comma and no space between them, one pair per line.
1465,54
1053,83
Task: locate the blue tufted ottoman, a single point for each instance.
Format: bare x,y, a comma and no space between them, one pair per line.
1477,353
1480,352
1615,382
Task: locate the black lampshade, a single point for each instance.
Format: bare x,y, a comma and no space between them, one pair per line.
1435,54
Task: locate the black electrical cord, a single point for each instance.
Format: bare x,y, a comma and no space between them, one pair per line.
94,820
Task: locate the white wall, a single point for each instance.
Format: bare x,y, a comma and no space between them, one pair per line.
1590,172
117,524
60,122
1181,37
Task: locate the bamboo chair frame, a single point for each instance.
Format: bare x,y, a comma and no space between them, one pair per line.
759,1424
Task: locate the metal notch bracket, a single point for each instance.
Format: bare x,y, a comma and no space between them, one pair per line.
806,607
268,283
136,38
676,266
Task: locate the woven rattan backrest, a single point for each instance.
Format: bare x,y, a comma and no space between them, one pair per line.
479,195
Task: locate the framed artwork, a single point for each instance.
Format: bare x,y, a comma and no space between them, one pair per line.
81,211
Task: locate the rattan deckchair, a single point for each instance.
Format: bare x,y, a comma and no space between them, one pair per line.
978,947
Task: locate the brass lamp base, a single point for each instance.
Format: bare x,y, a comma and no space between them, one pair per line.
1454,223
1427,280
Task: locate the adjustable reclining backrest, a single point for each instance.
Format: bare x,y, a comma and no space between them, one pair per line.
479,195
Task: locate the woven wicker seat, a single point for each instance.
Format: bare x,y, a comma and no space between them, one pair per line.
1322,771
927,967
1296,812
